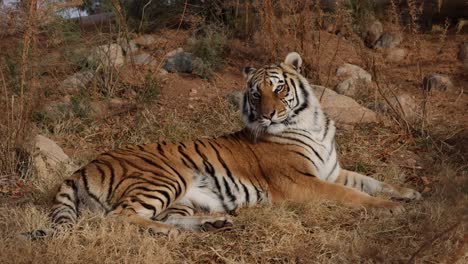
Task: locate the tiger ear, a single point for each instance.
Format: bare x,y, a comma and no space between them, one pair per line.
294,59
247,71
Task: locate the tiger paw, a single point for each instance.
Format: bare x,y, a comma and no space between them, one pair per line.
409,194
171,232
389,208
219,224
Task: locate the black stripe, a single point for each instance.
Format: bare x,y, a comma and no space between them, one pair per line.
145,205
246,191
101,171
210,170
181,151
332,170
305,173
304,143
304,156
226,168
160,150
346,180
154,197
259,194
327,123
232,198
62,219
71,183
84,176
66,196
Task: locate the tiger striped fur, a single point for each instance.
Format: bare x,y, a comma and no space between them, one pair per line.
286,152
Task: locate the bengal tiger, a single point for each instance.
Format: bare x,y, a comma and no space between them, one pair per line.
285,152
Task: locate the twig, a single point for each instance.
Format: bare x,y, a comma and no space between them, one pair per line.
143,14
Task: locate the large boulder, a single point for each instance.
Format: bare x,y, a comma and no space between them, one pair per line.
353,71
438,82
107,56
343,109
48,158
179,61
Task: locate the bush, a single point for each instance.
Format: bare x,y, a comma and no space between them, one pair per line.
209,48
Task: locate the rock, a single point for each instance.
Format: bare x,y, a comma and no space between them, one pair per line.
77,81
107,56
49,159
389,40
463,54
235,98
162,72
373,33
437,82
352,71
146,40
179,61
144,59
354,76
346,87
395,54
344,110
129,47
404,104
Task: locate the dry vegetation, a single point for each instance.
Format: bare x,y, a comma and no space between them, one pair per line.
429,154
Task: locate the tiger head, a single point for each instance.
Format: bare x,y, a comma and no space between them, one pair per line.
277,97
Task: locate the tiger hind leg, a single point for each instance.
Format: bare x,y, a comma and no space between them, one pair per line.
372,186
183,217
137,213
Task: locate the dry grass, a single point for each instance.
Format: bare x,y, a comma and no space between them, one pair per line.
315,232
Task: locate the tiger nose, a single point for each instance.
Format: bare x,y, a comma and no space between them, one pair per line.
270,115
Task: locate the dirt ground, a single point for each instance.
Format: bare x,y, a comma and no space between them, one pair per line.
432,230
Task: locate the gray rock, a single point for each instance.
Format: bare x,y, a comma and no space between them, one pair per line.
235,98
146,40
373,33
353,76
179,61
347,87
48,158
107,56
144,59
77,81
354,72
395,54
389,40
437,82
344,110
